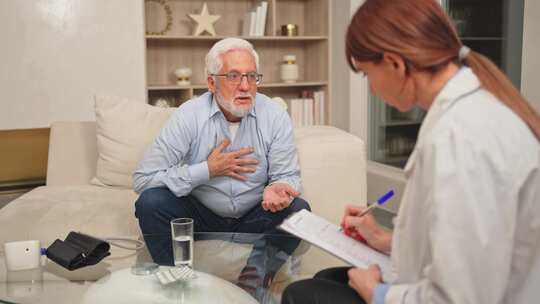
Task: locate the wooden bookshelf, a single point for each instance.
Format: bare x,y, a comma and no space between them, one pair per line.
178,48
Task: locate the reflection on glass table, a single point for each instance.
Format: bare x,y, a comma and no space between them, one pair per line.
229,267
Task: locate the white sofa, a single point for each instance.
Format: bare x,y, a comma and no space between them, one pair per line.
333,168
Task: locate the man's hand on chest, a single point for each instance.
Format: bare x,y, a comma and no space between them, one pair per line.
232,163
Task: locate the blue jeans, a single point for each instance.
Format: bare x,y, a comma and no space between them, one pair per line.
157,206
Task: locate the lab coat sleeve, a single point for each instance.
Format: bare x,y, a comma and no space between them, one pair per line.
471,209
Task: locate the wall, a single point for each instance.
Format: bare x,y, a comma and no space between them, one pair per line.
530,73
57,54
381,179
340,107
358,92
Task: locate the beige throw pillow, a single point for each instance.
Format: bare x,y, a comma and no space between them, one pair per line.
125,127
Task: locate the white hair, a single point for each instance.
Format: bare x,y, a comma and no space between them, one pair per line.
214,62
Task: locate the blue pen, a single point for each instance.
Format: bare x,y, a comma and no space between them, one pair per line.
383,199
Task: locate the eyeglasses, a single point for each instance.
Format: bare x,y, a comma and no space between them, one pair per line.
236,78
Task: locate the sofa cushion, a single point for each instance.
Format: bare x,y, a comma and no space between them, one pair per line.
72,153
125,127
333,167
50,212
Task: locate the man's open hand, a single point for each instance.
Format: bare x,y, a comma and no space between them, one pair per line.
230,163
278,196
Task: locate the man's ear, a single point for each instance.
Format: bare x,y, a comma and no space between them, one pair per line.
395,62
211,81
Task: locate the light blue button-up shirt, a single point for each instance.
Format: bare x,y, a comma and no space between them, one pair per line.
177,159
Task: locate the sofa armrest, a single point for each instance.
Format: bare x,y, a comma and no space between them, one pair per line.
333,167
72,153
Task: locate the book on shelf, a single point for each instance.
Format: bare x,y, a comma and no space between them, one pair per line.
252,23
258,13
246,24
329,237
319,104
255,21
307,110
262,20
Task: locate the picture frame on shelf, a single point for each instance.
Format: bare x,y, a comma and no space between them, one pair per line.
164,6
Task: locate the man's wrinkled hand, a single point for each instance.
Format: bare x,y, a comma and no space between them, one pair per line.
231,163
278,196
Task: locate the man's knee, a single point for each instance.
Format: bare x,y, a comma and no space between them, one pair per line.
151,200
299,204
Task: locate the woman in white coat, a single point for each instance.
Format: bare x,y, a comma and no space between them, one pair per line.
468,228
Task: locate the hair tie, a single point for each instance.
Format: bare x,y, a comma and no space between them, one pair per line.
463,53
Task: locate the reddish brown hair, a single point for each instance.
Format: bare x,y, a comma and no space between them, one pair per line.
422,33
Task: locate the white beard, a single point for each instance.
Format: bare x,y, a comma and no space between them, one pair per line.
232,108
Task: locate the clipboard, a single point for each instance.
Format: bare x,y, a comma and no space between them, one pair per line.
329,237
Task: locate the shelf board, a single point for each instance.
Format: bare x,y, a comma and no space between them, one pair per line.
263,85
175,87
401,123
293,85
249,38
469,38
393,159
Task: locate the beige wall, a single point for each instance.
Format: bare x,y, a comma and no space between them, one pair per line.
57,54
530,73
358,92
339,104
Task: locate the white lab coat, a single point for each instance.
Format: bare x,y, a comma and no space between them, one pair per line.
468,229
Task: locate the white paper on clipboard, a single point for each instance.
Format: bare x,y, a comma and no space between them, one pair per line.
328,236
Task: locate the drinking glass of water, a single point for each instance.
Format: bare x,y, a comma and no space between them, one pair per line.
182,241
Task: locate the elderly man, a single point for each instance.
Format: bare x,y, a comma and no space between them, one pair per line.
227,159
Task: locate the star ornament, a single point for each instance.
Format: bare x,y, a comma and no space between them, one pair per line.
205,21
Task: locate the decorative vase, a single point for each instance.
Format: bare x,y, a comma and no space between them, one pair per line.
289,30
183,76
162,103
289,69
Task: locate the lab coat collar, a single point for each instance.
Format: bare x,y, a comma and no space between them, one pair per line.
463,83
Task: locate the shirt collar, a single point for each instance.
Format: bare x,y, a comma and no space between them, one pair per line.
214,108
463,83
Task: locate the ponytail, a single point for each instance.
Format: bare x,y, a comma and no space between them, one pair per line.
493,80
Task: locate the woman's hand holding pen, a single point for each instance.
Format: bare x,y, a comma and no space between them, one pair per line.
362,225
365,227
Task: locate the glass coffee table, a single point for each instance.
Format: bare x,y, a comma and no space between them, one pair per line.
229,268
